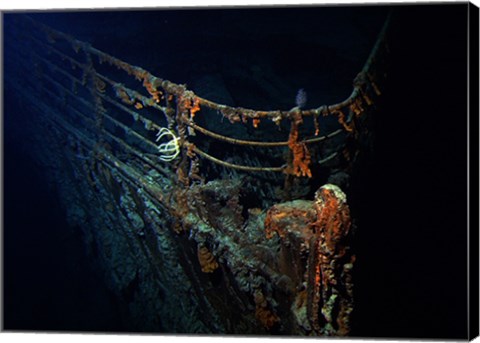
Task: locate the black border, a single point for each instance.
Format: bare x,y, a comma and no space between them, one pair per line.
473,327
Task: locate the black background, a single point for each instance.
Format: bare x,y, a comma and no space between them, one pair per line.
411,272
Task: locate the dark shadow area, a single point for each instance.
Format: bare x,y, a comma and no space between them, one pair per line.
411,271
49,283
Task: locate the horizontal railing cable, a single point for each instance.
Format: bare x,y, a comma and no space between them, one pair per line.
185,102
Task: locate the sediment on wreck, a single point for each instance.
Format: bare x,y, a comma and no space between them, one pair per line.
254,240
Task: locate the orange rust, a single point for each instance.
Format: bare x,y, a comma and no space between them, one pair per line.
333,220
256,211
138,106
301,155
266,317
285,218
206,260
341,121
323,226
280,215
256,121
192,104
195,107
122,94
359,104
190,150
315,123
367,99
301,299
269,228
177,226
140,74
355,109
375,88
182,177
317,275
244,118
156,94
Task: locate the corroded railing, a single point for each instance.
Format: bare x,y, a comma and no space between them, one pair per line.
131,139
179,105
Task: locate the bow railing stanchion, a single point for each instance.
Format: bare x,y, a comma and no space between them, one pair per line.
191,194
162,94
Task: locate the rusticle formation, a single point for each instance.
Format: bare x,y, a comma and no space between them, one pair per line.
202,217
315,255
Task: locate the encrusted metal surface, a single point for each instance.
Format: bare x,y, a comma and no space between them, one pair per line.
189,242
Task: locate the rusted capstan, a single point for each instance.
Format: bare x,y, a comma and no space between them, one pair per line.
315,254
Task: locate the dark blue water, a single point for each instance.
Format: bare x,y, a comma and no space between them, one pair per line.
49,283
